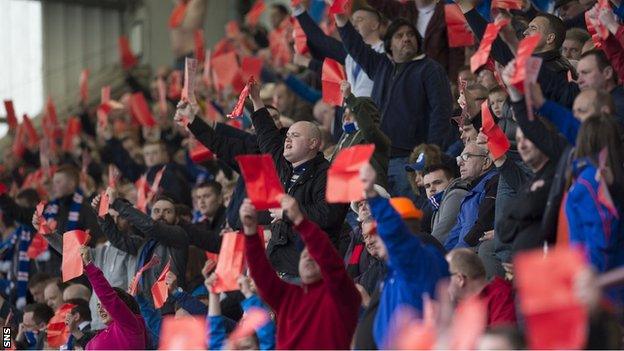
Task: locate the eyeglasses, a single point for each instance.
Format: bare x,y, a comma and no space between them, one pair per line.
465,157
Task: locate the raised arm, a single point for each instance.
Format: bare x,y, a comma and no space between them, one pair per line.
270,140
366,113
364,55
325,45
120,157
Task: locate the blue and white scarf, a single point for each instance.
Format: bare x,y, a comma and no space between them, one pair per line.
18,284
52,209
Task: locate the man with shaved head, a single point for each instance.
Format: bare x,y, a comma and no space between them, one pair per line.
76,291
302,169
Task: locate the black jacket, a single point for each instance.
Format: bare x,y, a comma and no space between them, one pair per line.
308,190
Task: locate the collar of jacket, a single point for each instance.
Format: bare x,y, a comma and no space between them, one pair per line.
416,58
551,55
310,165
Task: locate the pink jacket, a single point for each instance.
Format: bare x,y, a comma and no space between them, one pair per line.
127,331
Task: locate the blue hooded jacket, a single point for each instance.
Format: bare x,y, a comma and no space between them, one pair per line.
414,267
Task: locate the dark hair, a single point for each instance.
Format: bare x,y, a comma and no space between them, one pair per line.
182,210
281,8
70,171
556,26
42,313
372,10
81,308
29,195
214,185
497,89
601,60
163,197
38,278
128,300
577,34
448,172
394,27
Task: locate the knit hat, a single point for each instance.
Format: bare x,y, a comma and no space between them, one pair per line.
406,208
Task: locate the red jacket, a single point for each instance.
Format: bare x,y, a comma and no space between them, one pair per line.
322,315
613,47
500,302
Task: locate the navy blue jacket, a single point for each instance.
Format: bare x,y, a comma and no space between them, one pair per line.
414,98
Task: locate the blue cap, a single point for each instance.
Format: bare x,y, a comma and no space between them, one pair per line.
417,166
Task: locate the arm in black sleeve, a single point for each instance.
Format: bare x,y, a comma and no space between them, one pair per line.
364,55
169,235
551,143
500,51
324,44
203,238
126,242
485,218
89,220
513,175
556,87
120,157
86,123
12,211
394,9
137,87
270,141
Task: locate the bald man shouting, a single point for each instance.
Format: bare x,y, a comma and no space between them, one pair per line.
303,172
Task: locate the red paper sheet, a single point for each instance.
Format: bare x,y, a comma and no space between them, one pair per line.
230,264
240,104
343,176
200,153
10,114
128,60
84,85
30,132
183,333
38,245
225,68
480,57
71,266
177,15
200,48
301,40
71,131
458,31
190,72
498,144
524,52
469,323
253,319
251,67
232,30
19,147
141,110
58,332
332,75
134,284
339,7
104,204
554,316
159,289
263,185
253,16
507,4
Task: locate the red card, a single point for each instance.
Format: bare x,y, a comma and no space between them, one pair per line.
301,40
18,148
141,111
222,47
104,204
507,4
30,132
253,319
128,60
225,68
183,333
240,104
261,181
253,16
71,266
524,52
343,176
134,284
72,131
58,332
200,48
533,66
498,144
333,74
458,31
251,67
162,95
339,7
555,318
10,114
230,264
279,43
480,57
142,190
160,293
84,85
190,72
469,322
232,30
178,14
38,245
200,153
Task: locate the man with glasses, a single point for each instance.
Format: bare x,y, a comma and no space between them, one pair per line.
476,215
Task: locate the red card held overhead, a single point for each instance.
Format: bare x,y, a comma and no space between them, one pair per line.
71,132
301,40
141,111
10,114
232,29
251,67
555,317
200,153
498,144
128,60
177,15
38,245
263,185
58,332
507,4
31,133
458,31
332,75
200,48
343,182
253,16
183,333
524,52
480,57
84,85
190,72
104,204
71,266
225,68
160,293
254,319
240,104
339,7
230,264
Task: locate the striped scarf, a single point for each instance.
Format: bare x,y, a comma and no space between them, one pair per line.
52,209
198,217
18,279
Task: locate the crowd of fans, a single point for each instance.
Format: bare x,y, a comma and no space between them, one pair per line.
472,173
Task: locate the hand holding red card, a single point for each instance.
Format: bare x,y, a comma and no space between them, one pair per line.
190,71
263,185
340,7
525,50
159,289
480,57
230,263
128,60
498,144
507,4
10,114
458,31
253,16
343,177
333,74
71,266
141,110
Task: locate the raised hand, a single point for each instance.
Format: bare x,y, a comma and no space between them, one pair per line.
291,207
85,253
248,217
345,89
368,177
